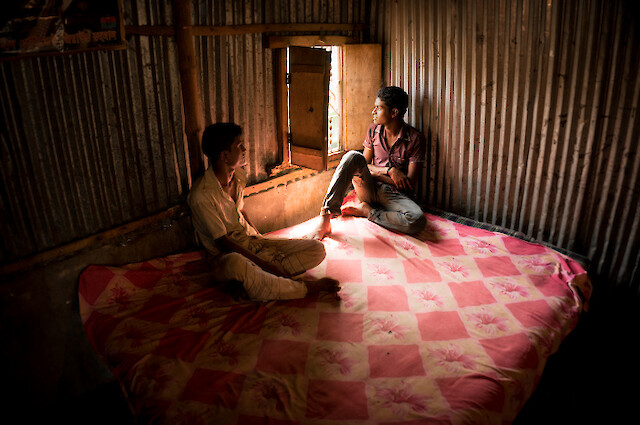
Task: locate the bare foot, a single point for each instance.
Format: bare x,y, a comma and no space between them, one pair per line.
325,284
356,209
323,229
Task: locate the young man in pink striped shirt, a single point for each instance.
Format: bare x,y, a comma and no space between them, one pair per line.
384,175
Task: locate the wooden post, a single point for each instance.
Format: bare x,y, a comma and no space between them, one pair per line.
188,66
282,109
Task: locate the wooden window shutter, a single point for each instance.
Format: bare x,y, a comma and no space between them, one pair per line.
308,103
362,77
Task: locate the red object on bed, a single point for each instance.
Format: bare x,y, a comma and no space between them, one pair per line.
452,327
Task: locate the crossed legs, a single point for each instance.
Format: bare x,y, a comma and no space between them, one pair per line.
381,203
294,256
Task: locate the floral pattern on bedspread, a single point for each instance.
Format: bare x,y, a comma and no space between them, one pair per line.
451,327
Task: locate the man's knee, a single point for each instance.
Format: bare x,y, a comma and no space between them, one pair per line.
416,222
229,260
317,249
313,252
353,157
229,266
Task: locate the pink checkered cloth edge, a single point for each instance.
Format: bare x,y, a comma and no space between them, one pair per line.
452,326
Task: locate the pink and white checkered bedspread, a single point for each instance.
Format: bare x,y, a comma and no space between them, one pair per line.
453,328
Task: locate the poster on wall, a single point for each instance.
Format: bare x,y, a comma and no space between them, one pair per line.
38,27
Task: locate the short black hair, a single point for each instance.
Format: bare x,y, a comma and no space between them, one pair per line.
219,137
394,97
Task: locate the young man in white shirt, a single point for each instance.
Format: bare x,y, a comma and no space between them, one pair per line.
266,267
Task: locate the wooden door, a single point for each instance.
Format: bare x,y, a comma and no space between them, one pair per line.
308,106
362,77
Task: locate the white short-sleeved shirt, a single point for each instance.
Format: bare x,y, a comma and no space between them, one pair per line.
215,213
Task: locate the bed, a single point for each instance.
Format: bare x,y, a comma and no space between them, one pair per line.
453,326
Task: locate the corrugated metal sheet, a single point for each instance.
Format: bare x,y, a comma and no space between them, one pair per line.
93,140
237,81
530,109
89,141
237,85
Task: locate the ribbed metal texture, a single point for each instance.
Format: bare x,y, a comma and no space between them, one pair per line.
529,107
530,110
89,141
237,80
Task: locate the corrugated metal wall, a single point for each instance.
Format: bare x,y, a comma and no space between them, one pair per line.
530,110
529,107
89,141
237,80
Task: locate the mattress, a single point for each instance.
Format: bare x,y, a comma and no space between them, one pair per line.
453,326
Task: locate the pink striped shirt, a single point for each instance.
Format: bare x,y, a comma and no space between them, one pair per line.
410,147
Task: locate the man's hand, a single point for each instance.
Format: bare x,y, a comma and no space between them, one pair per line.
400,179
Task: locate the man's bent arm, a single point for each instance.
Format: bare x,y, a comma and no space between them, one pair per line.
246,218
383,174
377,172
413,173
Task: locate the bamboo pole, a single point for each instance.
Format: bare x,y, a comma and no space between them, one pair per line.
188,66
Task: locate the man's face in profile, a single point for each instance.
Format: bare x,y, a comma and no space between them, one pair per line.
380,112
236,156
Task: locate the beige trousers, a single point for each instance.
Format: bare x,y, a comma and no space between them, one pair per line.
295,256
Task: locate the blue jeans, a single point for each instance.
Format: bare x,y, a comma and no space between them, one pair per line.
391,208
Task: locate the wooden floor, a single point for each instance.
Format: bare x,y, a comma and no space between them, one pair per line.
593,379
